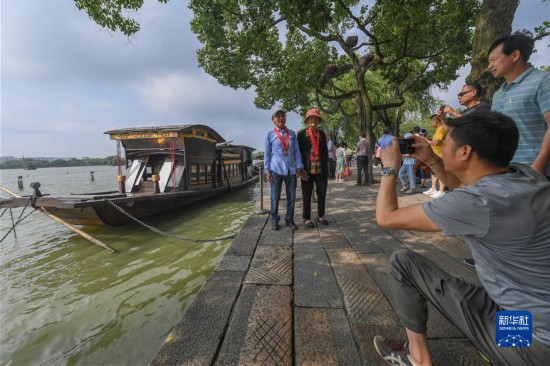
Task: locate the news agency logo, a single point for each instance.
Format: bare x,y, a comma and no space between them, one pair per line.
514,328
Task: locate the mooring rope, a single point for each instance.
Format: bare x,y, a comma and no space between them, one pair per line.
167,234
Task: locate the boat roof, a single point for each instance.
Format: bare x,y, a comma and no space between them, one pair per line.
155,131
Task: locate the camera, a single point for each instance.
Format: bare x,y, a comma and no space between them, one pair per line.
405,146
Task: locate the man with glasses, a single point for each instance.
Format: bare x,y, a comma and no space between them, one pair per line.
468,97
282,163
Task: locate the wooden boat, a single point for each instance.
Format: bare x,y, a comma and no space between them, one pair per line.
29,167
166,167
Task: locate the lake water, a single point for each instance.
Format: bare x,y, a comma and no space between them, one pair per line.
65,301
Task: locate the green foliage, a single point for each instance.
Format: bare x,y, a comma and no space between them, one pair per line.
39,163
110,13
258,155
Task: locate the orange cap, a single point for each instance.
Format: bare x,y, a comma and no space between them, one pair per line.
312,112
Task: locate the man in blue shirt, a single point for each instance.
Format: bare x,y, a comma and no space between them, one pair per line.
525,97
282,162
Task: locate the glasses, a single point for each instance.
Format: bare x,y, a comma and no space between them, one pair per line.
461,94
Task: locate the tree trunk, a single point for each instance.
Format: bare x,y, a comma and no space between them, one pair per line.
494,21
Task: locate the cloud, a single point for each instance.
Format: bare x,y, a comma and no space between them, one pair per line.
65,80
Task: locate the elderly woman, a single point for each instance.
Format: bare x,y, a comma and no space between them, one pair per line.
314,151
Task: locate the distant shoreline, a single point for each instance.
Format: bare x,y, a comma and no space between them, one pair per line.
60,163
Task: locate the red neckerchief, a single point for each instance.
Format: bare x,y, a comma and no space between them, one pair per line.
286,141
314,138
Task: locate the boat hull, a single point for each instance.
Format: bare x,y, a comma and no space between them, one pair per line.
139,206
98,210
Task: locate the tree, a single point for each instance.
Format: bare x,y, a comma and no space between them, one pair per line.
494,21
288,49
113,14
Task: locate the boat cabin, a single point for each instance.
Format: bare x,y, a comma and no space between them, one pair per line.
180,158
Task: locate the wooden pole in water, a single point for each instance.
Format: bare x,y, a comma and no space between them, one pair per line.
67,225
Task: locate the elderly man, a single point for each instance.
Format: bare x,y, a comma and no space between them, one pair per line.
282,163
502,211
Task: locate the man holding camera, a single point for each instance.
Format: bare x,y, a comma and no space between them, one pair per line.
501,211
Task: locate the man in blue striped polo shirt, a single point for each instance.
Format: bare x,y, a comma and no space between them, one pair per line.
525,97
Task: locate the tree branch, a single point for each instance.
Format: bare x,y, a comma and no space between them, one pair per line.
336,97
362,27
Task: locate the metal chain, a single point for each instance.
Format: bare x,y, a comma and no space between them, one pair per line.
18,221
164,233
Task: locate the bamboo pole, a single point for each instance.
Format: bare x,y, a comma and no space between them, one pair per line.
66,224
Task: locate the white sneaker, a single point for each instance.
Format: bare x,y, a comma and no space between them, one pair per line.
430,191
437,194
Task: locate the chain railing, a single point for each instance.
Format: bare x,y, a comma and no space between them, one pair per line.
167,234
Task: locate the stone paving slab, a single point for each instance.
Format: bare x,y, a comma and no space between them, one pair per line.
244,244
260,332
281,237
234,263
323,337
364,301
314,296
314,281
438,325
196,337
271,266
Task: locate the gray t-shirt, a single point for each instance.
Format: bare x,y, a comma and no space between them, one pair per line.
505,219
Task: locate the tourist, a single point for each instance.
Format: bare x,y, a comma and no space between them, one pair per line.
469,97
331,159
525,97
501,210
436,142
349,156
282,163
407,168
340,162
314,152
362,152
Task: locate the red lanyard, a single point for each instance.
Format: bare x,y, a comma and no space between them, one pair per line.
286,141
314,141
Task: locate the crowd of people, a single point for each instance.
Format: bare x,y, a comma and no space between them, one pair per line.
489,166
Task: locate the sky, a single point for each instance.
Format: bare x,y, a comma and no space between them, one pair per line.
64,80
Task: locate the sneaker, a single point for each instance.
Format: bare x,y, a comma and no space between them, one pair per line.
404,189
394,352
430,191
437,194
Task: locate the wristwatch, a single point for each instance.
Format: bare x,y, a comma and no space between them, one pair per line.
388,171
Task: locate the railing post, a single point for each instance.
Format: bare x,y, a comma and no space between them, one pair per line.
261,210
121,184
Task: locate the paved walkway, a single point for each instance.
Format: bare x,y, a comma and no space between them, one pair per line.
315,296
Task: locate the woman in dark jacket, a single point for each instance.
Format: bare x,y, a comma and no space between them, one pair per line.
314,151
